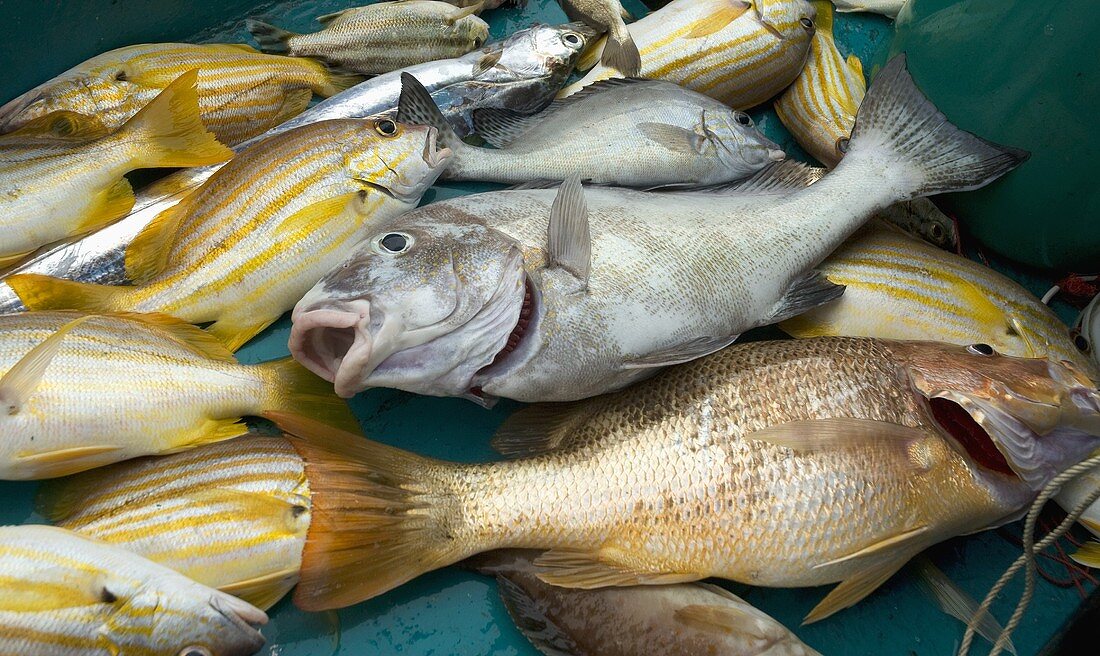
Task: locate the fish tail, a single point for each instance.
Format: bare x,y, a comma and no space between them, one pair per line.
621,53
296,391
378,517
39,292
272,39
899,131
169,130
416,106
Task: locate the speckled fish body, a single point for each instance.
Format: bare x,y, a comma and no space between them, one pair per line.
382,37
522,73
118,387
685,619
755,53
820,107
231,515
242,92
789,463
65,595
244,247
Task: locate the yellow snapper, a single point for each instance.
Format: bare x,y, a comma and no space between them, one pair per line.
62,174
232,515
734,51
382,37
820,107
242,92
788,463
78,392
66,595
250,242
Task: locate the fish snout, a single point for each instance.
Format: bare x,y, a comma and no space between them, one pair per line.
333,342
246,618
434,156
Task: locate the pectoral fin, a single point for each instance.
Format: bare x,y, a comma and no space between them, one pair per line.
852,590
610,566
838,433
460,13
673,137
718,20
529,618
20,382
319,213
570,241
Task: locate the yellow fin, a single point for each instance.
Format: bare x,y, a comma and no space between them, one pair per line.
110,205
592,54
809,324
853,589
62,462
609,566
54,588
856,67
719,19
64,124
882,545
305,219
294,103
12,259
234,332
169,130
264,591
18,383
722,619
194,338
147,255
1091,525
39,292
212,430
296,391
823,20
1088,555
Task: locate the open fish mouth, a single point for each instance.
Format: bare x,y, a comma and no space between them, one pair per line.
434,156
335,344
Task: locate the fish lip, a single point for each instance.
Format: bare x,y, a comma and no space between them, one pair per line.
776,154
308,334
246,617
434,156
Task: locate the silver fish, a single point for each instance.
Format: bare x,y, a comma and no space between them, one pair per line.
541,296
634,133
521,72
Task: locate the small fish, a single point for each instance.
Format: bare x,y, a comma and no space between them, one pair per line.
684,619
619,50
62,174
66,595
245,246
242,92
82,391
544,295
888,8
752,464
820,107
381,37
921,218
738,52
635,133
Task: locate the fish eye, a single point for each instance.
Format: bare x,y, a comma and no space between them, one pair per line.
980,349
842,145
394,243
806,24
571,39
1081,342
937,232
385,127
477,42
742,118
195,650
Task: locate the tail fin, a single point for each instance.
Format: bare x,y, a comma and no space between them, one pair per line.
374,525
169,130
416,106
897,121
271,39
294,390
621,53
39,292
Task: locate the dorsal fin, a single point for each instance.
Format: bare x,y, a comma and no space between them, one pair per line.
569,241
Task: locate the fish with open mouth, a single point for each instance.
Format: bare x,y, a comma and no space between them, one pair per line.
543,295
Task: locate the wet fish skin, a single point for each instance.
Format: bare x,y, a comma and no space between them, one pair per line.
66,595
738,53
234,81
381,37
536,60
888,8
683,619
619,50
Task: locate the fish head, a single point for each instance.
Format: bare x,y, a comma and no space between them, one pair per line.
733,138
545,50
473,31
400,160
422,305
1041,415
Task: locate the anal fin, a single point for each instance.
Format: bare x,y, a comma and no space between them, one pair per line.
607,567
805,293
62,462
264,591
111,204
852,590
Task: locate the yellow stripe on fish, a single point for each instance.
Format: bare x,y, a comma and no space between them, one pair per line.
232,515
736,52
81,391
820,107
62,174
250,242
242,92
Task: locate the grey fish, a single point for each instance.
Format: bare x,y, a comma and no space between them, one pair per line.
538,295
634,133
522,72
620,52
921,218
681,619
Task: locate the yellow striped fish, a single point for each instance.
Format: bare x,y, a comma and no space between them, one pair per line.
62,594
242,92
81,391
62,174
232,515
738,52
902,288
820,107
250,242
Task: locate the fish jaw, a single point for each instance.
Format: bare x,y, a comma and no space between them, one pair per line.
243,637
333,343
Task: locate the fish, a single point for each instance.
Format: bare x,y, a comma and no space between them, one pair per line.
557,295
242,92
635,133
245,246
1086,336
381,37
738,52
820,107
63,594
232,515
684,619
522,72
888,8
921,218
619,50
788,463
82,391
63,174
1087,330
485,5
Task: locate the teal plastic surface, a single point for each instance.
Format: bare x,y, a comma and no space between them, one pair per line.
454,611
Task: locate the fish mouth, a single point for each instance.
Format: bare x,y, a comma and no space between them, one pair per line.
434,156
519,331
335,344
776,155
11,109
246,618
